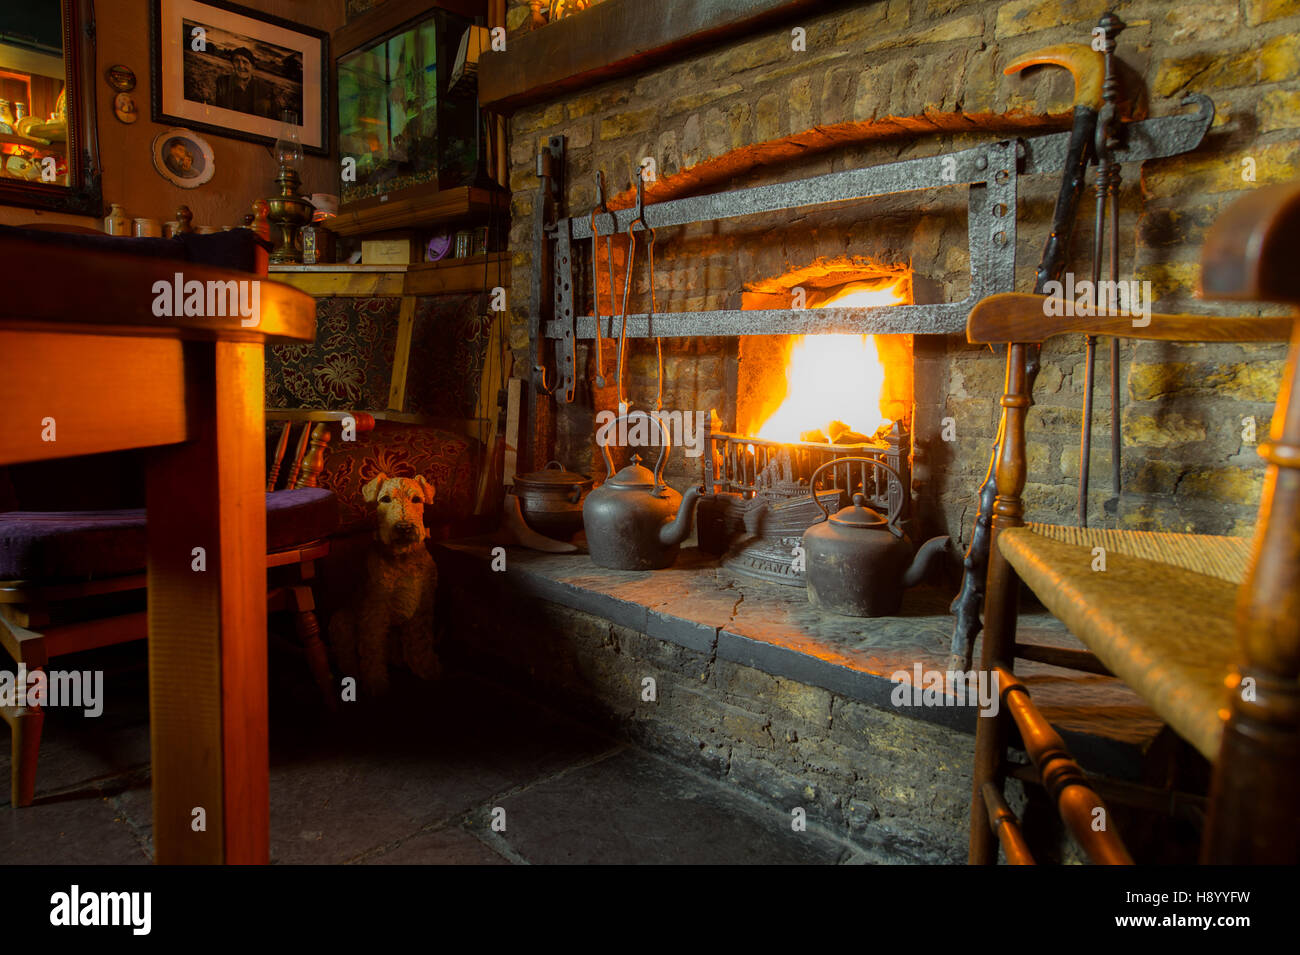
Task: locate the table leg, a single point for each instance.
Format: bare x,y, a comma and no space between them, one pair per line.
207,617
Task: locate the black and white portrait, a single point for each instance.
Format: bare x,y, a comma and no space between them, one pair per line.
240,73
224,69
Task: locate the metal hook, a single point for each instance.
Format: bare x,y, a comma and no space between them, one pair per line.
601,207
650,261
640,196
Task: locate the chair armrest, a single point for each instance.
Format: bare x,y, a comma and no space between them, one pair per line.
1020,317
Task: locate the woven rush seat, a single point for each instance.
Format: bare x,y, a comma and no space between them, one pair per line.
1161,616
1204,629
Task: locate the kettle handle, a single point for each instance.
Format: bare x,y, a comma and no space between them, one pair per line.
895,511
667,446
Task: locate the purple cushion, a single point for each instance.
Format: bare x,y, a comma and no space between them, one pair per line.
297,517
54,545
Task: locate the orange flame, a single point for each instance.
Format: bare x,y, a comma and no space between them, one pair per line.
834,377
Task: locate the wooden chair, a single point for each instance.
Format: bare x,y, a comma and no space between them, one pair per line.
1205,629
41,619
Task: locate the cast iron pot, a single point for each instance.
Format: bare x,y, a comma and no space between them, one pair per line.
551,500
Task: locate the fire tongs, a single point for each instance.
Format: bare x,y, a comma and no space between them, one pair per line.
603,209
627,288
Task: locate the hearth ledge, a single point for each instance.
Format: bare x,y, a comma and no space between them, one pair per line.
704,608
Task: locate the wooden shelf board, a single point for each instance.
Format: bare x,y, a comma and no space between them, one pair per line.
344,267
458,275
346,281
615,38
381,281
422,210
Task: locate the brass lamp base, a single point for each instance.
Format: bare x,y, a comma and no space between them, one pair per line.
288,214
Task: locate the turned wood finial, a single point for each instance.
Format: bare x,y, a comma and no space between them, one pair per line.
261,221
184,218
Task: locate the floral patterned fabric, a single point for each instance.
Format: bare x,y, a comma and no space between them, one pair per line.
349,366
449,340
447,459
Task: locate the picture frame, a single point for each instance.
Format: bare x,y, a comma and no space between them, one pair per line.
226,70
81,191
183,158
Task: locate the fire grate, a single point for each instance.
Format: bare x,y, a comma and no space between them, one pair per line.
745,465
759,502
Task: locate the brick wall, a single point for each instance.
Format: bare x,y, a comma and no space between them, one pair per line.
880,81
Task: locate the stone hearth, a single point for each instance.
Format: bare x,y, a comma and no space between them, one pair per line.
754,686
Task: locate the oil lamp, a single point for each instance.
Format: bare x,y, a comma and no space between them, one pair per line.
289,212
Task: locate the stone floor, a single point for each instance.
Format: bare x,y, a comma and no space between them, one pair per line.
414,780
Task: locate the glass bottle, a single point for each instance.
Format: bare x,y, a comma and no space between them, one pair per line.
117,222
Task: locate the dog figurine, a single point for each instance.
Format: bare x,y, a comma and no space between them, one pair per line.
397,590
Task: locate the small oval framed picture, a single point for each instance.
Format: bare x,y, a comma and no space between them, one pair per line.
183,158
124,108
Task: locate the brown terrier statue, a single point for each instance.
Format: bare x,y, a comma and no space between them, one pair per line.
397,590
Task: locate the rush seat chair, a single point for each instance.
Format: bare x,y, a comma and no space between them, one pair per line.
1206,630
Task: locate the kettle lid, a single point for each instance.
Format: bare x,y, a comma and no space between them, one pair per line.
634,475
858,514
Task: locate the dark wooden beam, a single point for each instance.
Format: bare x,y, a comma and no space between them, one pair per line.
616,38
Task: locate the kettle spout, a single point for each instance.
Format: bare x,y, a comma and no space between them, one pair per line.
677,531
930,551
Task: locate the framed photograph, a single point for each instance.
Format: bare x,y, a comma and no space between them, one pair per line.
183,158
231,71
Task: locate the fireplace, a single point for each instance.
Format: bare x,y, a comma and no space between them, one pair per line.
779,178
802,402
761,294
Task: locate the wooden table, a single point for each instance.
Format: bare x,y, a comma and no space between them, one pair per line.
87,367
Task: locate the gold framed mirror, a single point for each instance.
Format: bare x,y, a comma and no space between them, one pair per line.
49,150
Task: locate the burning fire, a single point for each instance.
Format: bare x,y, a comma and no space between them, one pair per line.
834,380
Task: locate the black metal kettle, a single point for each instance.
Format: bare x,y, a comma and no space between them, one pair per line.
634,521
858,563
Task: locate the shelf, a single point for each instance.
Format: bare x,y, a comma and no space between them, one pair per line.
337,267
613,39
379,214
342,281
390,281
459,275
31,142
